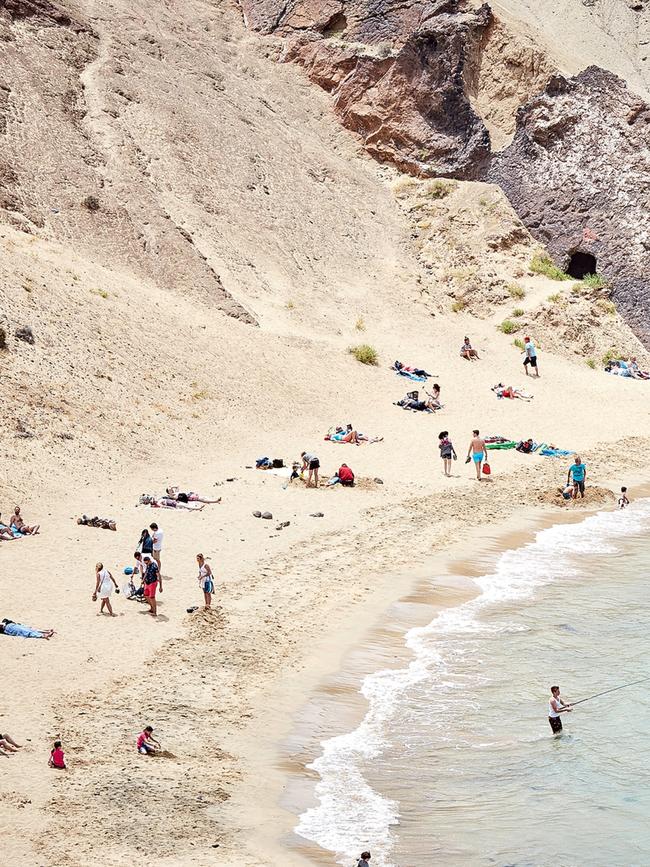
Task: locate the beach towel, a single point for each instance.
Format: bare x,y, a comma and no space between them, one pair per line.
555,453
412,376
510,444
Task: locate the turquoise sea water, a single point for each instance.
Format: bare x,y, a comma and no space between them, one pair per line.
454,762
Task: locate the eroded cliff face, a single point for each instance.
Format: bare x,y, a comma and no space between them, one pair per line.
396,71
578,175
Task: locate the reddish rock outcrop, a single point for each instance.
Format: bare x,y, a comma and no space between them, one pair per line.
396,72
578,175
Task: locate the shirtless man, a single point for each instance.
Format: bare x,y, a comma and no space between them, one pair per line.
555,707
21,526
477,453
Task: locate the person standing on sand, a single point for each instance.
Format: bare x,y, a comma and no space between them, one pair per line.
578,474
477,452
310,462
205,580
555,707
531,356
152,581
623,500
157,542
104,584
447,451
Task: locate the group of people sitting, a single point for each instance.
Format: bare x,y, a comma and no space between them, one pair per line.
348,434
16,528
175,499
413,402
629,368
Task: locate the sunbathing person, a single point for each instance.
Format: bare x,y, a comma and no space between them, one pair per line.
345,436
103,523
404,368
8,627
7,534
169,503
510,391
190,497
636,372
525,446
412,401
8,744
21,526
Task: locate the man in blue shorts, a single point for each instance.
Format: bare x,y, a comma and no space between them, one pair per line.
477,453
577,474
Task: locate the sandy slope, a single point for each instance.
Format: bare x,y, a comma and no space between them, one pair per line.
139,358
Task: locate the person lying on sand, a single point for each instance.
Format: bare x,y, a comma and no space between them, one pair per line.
21,526
6,533
8,744
103,523
8,627
416,371
190,497
412,401
467,352
525,446
166,502
510,391
146,743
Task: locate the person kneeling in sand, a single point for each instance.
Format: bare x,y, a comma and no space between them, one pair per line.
147,744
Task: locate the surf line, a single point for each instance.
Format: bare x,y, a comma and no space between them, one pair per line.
613,689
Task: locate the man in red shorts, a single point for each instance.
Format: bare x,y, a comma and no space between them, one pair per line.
152,580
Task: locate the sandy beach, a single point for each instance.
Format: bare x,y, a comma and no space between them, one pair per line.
190,247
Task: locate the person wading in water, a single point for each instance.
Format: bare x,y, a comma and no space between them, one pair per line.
555,707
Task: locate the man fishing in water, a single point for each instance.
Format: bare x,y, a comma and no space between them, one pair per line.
555,707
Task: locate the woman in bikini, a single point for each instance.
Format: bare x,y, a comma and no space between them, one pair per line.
191,497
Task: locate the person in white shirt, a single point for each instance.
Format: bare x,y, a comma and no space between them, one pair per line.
157,537
555,707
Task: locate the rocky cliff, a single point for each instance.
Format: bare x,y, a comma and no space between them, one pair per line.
578,175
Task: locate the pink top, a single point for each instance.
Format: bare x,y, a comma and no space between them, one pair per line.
58,758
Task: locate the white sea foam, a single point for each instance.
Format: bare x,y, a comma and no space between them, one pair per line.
350,814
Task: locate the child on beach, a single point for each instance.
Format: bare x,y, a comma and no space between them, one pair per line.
147,744
205,580
57,757
364,860
447,451
623,500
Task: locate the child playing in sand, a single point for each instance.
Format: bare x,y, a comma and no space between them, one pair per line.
623,500
57,757
147,744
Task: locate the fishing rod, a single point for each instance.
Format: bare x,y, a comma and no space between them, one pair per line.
613,689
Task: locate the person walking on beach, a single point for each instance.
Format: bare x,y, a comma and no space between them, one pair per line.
531,356
157,543
152,581
205,580
364,861
623,500
555,707
477,453
447,451
577,474
104,584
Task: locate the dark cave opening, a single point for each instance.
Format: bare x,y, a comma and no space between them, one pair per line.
581,264
336,26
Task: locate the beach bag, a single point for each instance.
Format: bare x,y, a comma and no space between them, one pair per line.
278,463
487,469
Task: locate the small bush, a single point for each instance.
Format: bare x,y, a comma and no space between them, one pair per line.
519,343
439,189
541,263
594,281
557,296
517,312
101,292
516,291
508,327
606,306
90,203
26,334
612,355
3,338
591,363
458,305
364,353
360,324
290,305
